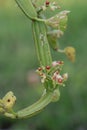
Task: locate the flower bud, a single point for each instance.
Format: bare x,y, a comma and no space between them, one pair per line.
60,80
47,67
9,100
70,53
56,95
59,21
47,3
54,63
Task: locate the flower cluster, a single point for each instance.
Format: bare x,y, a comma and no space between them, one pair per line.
58,78
52,74
47,4
51,5
59,21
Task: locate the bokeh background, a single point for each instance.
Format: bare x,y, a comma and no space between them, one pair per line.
18,62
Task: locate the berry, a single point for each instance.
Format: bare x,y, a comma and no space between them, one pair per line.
47,67
60,80
47,3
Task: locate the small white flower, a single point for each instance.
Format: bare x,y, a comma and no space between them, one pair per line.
43,78
54,63
65,76
58,77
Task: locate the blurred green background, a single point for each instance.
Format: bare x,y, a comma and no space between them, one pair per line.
18,62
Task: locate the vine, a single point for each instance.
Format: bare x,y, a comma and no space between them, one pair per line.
46,32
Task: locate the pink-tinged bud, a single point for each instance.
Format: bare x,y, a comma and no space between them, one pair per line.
58,77
60,80
47,67
60,62
47,3
54,63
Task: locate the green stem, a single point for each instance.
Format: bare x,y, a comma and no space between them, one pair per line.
27,8
44,57
37,41
36,107
41,43
33,109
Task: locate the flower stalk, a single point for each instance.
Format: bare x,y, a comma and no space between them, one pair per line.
49,71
